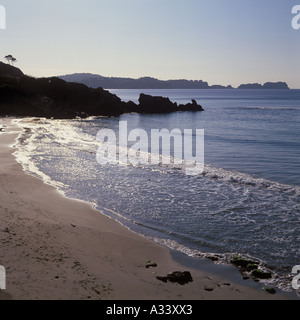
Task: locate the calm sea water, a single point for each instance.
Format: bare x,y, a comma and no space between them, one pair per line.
246,200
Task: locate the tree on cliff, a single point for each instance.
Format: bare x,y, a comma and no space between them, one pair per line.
10,59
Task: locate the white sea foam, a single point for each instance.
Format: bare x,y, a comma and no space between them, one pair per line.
246,179
71,136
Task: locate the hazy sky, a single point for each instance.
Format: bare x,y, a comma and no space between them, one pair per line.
218,41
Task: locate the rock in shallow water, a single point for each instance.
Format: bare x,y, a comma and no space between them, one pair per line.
260,274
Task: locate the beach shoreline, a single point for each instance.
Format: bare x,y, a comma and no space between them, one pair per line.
56,248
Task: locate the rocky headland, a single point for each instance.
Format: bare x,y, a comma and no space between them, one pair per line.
22,95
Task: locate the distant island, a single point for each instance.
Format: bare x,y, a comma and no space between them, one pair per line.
267,85
22,95
95,81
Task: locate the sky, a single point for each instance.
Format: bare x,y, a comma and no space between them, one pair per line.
225,42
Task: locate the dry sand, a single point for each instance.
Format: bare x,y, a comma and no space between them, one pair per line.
58,248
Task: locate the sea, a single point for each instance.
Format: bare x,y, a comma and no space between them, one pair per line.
245,201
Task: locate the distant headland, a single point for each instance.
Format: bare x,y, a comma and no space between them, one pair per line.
95,81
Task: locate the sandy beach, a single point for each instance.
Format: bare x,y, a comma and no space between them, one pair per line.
58,248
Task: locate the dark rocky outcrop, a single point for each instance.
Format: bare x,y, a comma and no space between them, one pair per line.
21,95
260,274
243,262
177,277
150,104
246,265
194,106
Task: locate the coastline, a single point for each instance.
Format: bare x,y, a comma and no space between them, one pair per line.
56,248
